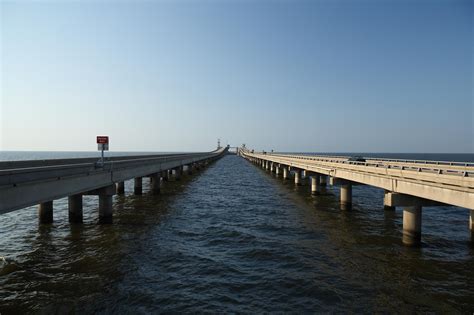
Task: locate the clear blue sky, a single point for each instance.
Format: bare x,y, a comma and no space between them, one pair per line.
337,76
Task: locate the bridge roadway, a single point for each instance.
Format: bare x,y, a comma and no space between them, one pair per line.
26,183
411,184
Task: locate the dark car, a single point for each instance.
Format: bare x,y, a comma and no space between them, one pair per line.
356,159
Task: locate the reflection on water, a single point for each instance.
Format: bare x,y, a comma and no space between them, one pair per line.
235,239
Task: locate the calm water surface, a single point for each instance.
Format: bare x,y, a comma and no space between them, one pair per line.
233,238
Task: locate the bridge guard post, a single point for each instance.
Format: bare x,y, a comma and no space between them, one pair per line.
120,188
412,226
315,184
45,212
346,195
138,186
75,208
155,183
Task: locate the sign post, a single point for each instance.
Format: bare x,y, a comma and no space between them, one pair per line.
102,145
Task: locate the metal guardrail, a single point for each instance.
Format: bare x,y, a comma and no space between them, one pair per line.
18,172
4,165
448,163
464,169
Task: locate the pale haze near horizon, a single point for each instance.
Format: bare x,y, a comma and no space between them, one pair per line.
321,76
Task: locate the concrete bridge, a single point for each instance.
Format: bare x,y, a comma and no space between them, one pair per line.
410,184
26,183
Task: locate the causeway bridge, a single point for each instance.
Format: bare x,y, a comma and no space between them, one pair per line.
411,184
27,183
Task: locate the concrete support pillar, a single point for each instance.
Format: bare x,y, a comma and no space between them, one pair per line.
105,209
45,212
277,170
177,173
346,196
75,208
297,177
272,167
323,180
286,173
169,175
304,174
315,184
138,186
267,165
120,187
190,169
471,223
412,226
155,183
386,202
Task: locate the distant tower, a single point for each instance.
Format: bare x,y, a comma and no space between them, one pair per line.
218,143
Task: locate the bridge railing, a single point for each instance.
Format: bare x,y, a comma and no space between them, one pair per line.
463,169
414,161
18,172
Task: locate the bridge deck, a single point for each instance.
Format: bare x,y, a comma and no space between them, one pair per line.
26,183
446,182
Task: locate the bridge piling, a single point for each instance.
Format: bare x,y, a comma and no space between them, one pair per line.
164,175
177,173
471,223
277,170
45,212
346,196
412,226
120,188
105,209
323,180
190,169
315,184
286,172
75,208
155,183
386,203
297,177
138,186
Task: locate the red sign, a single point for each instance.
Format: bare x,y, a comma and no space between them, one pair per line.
102,139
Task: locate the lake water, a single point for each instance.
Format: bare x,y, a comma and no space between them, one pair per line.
233,238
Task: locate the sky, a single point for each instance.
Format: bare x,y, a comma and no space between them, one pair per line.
312,76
